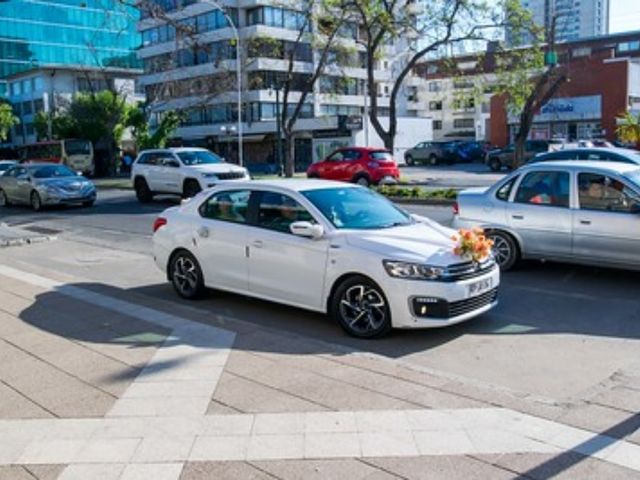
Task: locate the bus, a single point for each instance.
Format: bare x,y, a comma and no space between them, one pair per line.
75,154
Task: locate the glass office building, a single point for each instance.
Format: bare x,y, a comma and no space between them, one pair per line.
82,33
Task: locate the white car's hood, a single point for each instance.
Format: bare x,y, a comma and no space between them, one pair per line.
422,242
217,168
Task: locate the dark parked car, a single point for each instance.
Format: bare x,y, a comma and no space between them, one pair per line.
432,153
624,155
471,151
361,165
505,157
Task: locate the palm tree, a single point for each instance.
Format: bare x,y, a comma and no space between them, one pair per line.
629,128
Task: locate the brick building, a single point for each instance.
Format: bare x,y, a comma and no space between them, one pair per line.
604,83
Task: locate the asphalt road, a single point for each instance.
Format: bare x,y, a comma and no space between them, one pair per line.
558,333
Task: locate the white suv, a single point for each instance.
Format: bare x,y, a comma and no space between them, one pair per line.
181,171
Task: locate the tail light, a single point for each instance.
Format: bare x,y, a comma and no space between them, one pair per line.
456,208
158,223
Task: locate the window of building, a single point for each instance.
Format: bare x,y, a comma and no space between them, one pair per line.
460,84
435,105
27,108
435,86
581,52
38,84
277,17
38,105
463,123
464,104
432,69
437,124
629,46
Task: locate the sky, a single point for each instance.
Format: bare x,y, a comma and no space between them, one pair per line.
624,15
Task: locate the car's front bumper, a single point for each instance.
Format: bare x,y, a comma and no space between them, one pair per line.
445,303
52,199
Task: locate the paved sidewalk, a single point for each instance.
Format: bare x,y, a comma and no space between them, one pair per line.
13,236
96,386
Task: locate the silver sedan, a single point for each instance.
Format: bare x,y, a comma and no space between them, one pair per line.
584,212
45,184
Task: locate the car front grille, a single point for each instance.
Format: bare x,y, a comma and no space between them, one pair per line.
438,308
230,175
464,271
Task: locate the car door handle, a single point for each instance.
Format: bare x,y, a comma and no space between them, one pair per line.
585,222
203,232
257,243
517,217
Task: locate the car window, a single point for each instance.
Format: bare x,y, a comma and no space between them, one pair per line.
337,156
277,212
198,157
351,154
381,155
227,206
544,188
151,159
144,159
504,192
600,192
167,161
357,208
53,171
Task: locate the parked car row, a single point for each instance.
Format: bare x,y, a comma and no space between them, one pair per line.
436,153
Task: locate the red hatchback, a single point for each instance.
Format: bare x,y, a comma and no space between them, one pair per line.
362,165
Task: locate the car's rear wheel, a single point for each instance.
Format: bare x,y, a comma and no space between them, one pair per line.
433,160
191,188
361,308
36,201
495,164
143,193
4,201
410,161
505,249
186,275
362,180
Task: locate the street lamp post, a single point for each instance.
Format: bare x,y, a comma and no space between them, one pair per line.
227,131
238,73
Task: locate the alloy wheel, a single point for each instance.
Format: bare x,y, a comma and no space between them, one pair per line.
186,277
504,250
363,181
36,202
363,310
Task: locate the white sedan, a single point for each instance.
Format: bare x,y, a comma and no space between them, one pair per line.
323,246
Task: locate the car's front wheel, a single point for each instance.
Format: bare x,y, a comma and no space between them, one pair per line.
191,188
410,161
433,160
505,249
186,275
4,201
143,192
360,307
362,180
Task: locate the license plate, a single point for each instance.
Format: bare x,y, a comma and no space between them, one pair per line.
480,287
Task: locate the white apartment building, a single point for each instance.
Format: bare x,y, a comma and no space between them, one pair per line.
179,76
50,89
458,106
576,18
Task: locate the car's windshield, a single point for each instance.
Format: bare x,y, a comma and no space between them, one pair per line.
77,147
53,171
357,208
634,176
198,157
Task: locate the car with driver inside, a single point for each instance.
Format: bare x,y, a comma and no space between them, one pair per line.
180,171
324,246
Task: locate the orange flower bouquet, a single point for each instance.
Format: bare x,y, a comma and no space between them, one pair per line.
472,244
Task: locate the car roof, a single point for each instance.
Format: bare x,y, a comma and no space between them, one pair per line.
609,166
627,152
296,185
365,149
175,149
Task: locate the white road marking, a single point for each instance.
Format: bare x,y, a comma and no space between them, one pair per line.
159,423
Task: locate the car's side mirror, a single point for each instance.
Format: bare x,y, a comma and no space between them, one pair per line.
307,229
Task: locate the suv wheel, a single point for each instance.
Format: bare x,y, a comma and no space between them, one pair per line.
143,193
433,160
505,249
191,188
360,307
186,275
410,161
495,164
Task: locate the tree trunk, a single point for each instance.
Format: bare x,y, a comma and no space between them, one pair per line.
290,154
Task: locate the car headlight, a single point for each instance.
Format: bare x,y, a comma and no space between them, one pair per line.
52,190
413,271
